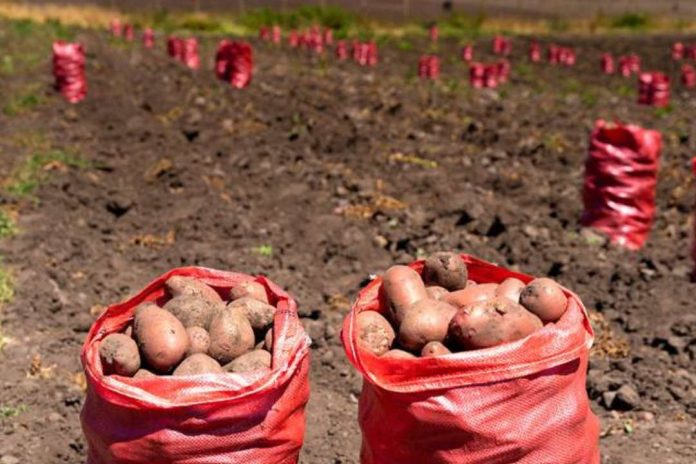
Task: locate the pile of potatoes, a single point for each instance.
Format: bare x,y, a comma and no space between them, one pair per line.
194,332
444,312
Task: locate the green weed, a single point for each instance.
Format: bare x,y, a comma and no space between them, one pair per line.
631,21
264,250
7,412
28,176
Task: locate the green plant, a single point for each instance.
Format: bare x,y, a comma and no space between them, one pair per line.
27,177
264,250
22,102
631,21
8,412
558,25
664,111
7,225
6,284
462,25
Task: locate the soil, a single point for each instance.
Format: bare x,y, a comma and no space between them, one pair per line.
321,174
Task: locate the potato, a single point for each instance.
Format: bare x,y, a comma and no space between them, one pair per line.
545,298
436,292
119,355
180,285
398,354
426,321
490,323
199,340
161,337
445,269
231,335
257,360
268,341
403,287
375,334
197,364
510,288
250,289
434,349
259,314
470,295
143,374
192,311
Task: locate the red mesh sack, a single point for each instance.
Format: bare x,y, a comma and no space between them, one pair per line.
128,32
429,67
534,52
607,63
477,75
554,54
189,53
501,45
341,50
293,39
677,51
175,47
234,63
213,418
328,36
522,402
620,179
434,33
69,70
148,38
115,28
467,53
276,34
653,89
688,76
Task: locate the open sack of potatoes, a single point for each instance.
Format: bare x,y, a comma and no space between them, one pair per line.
200,366
465,361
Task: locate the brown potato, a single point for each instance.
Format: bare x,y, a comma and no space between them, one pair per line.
426,321
434,349
231,335
447,270
119,355
257,360
192,311
436,292
250,289
268,341
490,323
375,334
545,298
180,285
198,364
510,288
161,337
398,354
470,295
259,314
143,374
403,287
199,340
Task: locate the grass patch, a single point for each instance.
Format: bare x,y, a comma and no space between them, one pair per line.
8,228
664,111
8,412
462,25
28,176
634,21
6,284
264,250
22,102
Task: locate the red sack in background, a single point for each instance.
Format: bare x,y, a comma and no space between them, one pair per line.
501,45
189,53
328,36
690,52
234,63
265,33
69,70
534,52
620,179
148,38
293,39
629,64
434,33
277,35
653,89
372,54
128,32
175,47
503,68
212,418
116,28
523,402
554,54
477,75
688,76
677,51
429,67
491,76
222,59
566,56
341,50
467,53
607,63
